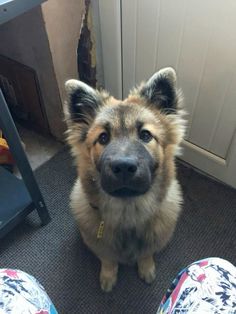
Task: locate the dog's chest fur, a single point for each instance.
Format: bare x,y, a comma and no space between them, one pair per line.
127,225
129,244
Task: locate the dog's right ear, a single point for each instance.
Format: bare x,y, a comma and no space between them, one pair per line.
83,102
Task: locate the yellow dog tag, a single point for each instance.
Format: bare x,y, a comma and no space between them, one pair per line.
100,230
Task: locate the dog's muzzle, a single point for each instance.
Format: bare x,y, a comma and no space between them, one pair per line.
126,173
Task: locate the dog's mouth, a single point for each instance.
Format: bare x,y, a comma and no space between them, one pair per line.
126,192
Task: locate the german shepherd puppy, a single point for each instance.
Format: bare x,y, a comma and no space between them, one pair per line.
126,199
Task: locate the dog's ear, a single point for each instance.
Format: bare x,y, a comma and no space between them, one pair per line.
83,102
160,90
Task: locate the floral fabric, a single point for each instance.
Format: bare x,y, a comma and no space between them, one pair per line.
206,286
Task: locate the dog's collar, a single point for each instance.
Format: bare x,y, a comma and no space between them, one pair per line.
100,230
93,206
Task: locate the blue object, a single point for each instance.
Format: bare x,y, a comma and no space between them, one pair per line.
17,197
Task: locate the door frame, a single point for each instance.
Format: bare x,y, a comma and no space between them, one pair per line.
111,43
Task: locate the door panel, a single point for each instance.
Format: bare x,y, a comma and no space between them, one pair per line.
147,23
110,25
225,126
129,22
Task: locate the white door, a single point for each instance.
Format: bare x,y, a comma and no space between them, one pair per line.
198,39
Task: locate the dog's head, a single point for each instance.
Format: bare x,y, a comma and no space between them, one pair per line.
123,146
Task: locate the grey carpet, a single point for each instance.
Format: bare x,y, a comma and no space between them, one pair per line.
56,255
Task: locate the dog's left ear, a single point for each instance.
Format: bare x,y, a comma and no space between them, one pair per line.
83,103
160,90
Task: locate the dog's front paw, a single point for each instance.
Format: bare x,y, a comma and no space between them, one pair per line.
148,275
147,270
108,275
107,283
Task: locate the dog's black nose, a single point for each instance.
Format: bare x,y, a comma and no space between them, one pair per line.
124,167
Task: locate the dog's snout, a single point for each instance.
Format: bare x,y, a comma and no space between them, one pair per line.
124,167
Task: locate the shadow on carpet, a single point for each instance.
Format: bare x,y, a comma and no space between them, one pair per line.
56,256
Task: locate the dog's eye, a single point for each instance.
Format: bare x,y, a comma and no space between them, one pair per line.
103,138
145,136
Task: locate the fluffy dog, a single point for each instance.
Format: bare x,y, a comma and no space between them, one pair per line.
126,198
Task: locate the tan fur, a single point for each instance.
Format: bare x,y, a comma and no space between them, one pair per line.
154,214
